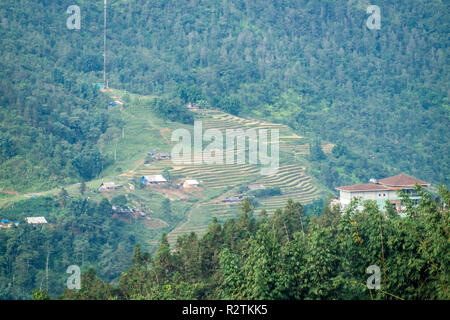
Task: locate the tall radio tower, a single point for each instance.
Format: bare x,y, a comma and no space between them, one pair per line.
105,84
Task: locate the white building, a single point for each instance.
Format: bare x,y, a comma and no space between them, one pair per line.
154,179
36,220
382,190
190,184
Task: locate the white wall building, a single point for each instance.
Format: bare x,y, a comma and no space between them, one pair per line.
190,184
36,220
381,190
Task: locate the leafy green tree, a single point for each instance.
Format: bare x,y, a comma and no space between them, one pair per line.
191,94
82,188
135,282
164,263
40,295
92,287
230,104
105,207
339,150
89,163
119,201
315,151
166,174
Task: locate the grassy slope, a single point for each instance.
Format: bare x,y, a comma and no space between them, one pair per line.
144,132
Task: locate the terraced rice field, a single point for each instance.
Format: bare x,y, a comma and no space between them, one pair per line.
294,184
291,178
221,181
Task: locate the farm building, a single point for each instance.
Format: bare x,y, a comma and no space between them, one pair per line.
161,156
108,186
382,190
190,184
36,220
154,179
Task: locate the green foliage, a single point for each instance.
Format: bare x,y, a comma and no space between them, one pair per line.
381,97
190,94
92,288
265,193
339,150
166,174
290,257
230,104
40,295
315,151
171,111
79,232
319,70
119,201
82,188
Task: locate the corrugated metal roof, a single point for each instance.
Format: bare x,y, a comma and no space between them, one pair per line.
155,178
35,220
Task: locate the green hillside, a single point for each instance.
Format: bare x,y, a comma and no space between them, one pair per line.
75,214
313,65
143,132
350,104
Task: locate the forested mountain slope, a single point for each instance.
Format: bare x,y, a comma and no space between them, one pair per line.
381,95
51,116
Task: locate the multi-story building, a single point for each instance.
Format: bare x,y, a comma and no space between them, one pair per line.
382,190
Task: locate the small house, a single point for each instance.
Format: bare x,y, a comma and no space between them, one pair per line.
108,186
36,220
190,184
153,179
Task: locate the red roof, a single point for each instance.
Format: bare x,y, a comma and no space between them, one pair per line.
402,180
364,187
392,183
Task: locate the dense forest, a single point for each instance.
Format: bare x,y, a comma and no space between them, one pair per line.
380,95
290,256
79,232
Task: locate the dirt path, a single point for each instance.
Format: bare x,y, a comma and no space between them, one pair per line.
179,227
14,193
164,130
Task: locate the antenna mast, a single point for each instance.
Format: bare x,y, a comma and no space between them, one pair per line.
105,84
